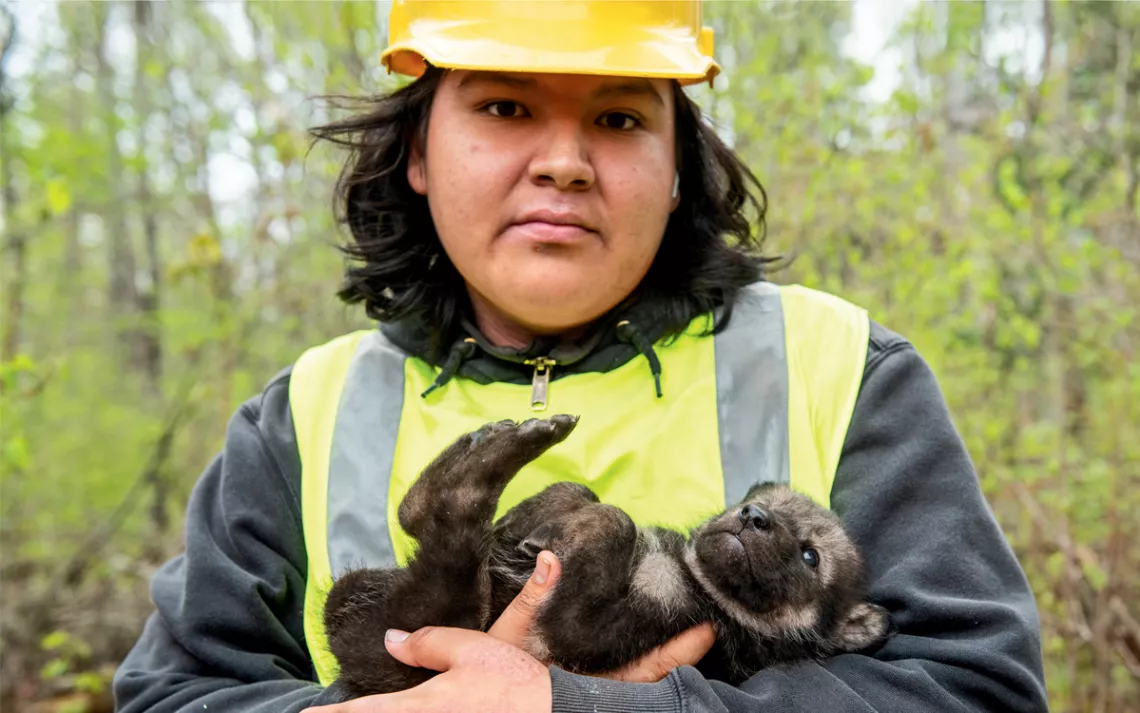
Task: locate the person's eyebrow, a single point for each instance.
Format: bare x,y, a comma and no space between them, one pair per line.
633,87
629,88
474,79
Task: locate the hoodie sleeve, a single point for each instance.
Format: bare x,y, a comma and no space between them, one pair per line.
227,630
968,638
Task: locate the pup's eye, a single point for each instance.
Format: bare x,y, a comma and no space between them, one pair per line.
811,558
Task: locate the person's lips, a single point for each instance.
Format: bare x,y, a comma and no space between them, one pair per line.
547,226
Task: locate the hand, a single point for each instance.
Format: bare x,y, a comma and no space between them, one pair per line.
480,674
483,672
685,649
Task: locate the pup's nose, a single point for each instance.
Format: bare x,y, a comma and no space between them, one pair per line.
756,516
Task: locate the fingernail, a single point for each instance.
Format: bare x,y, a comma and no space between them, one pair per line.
395,635
542,571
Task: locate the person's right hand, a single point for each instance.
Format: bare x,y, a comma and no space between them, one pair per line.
685,649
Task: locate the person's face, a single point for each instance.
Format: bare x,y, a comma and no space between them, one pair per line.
550,193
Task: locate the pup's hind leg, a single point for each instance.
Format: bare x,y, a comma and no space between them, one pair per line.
461,487
361,606
365,603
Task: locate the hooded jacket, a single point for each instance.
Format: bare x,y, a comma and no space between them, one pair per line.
228,632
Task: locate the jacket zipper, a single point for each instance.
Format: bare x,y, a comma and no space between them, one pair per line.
540,385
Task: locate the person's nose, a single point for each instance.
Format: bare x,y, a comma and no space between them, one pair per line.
563,158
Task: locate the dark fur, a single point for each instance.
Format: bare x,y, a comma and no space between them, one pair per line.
623,591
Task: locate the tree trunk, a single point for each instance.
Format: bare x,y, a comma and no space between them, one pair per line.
1120,113
17,240
72,286
148,338
121,255
18,249
149,341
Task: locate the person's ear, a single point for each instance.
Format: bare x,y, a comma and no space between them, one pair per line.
417,169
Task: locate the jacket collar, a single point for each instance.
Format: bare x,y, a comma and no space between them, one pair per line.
611,342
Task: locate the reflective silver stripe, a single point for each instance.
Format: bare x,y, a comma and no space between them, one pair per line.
752,393
360,461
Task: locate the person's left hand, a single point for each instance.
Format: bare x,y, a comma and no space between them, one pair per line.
480,673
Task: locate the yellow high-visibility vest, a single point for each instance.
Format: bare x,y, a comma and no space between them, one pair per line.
767,399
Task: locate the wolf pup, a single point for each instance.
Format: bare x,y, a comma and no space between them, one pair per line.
776,573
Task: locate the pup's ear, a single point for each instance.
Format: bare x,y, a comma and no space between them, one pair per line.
864,626
542,538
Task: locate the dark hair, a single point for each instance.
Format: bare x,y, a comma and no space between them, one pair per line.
708,253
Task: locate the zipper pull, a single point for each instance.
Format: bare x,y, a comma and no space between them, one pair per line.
541,383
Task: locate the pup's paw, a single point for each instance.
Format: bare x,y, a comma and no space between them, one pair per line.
532,437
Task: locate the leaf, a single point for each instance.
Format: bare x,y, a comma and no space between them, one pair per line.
1094,573
286,147
1054,564
58,196
154,69
90,681
54,640
15,452
80,705
53,669
19,364
205,250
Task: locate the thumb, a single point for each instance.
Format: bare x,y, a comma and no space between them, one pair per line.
515,622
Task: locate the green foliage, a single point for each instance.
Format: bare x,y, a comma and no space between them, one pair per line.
68,652
177,251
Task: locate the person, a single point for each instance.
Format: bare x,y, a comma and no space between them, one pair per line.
542,222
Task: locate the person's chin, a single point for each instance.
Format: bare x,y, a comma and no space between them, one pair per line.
565,296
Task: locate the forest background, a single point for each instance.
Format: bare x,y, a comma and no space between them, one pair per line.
169,245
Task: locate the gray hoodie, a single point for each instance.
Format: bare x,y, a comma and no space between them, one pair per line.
227,632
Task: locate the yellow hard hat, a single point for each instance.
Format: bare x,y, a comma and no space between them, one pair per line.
642,38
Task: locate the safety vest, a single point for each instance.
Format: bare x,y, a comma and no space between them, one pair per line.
767,399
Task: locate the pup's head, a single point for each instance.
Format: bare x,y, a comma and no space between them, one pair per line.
782,566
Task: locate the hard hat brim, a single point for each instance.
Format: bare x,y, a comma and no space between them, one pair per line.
477,46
